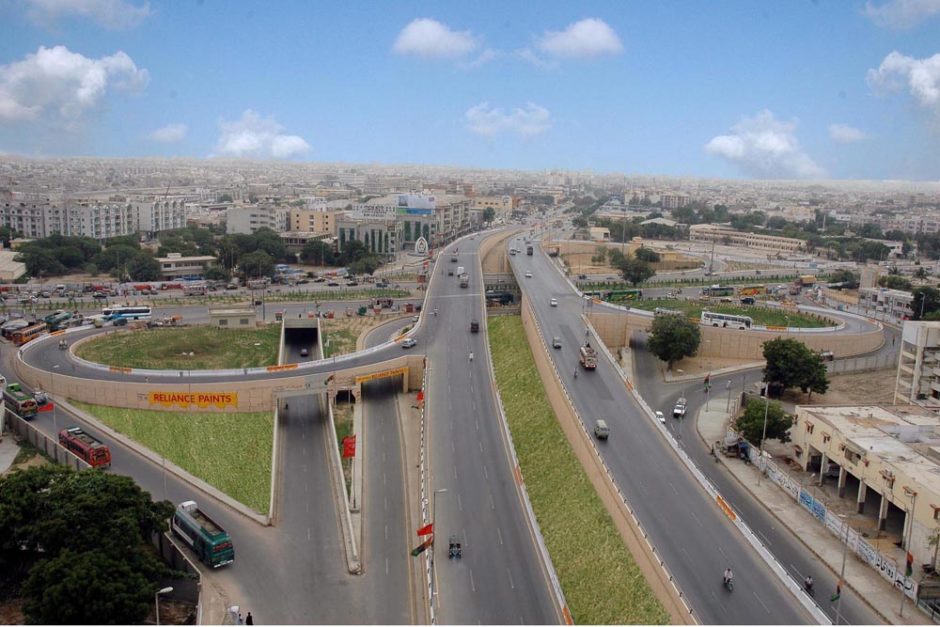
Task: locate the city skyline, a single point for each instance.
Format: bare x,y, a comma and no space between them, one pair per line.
809,91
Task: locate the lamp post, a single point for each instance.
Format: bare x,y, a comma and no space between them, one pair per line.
760,470
434,523
156,599
728,389
906,545
845,546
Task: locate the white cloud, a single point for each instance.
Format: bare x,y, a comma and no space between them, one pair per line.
254,136
845,134
169,134
63,84
113,14
590,37
482,59
527,121
764,147
528,56
921,76
900,14
430,39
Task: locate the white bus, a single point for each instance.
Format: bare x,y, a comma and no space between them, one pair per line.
727,321
662,311
131,312
195,289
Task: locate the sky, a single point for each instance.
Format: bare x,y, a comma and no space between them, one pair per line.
792,89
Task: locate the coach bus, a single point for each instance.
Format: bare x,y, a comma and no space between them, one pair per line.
727,321
128,312
21,336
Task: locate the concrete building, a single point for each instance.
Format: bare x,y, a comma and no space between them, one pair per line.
896,303
248,219
176,266
675,201
918,376
296,240
159,214
317,220
733,237
10,269
887,459
599,234
235,318
381,234
501,205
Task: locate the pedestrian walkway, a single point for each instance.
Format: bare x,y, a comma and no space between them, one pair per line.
8,451
880,595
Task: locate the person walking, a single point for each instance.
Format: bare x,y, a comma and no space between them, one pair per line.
249,620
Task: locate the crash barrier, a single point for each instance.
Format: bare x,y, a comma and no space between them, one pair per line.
48,445
353,559
187,589
886,566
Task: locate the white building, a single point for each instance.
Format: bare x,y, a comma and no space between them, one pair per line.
889,302
918,376
157,215
248,219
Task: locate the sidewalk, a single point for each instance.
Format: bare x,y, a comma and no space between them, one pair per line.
8,451
880,595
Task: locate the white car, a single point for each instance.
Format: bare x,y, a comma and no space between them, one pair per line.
528,275
409,342
660,417
553,302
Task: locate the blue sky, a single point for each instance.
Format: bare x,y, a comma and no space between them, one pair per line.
789,89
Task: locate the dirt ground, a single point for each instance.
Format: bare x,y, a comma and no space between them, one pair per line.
704,365
344,331
863,388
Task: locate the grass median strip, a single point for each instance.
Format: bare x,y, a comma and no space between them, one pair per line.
760,315
598,575
231,452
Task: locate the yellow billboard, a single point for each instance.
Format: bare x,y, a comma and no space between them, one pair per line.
219,400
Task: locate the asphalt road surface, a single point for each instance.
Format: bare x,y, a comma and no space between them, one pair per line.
688,530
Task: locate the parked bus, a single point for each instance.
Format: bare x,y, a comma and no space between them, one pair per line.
85,447
752,290
622,295
727,321
31,332
195,289
718,290
132,312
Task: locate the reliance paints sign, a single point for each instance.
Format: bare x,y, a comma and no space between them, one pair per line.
219,400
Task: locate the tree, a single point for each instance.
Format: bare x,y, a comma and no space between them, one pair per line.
217,273
847,278
673,337
225,198
792,364
926,301
647,254
751,423
144,267
117,257
40,263
317,252
256,265
365,265
488,214
921,273
635,271
871,230
895,282
579,222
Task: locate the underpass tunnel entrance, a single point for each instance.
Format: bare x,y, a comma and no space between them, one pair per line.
301,339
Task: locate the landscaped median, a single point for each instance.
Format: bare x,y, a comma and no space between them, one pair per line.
601,582
231,452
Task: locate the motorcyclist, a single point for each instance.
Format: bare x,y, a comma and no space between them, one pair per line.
808,582
435,311
728,575
470,358
575,373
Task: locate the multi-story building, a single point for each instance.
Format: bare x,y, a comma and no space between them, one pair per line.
437,219
248,219
675,201
886,301
501,205
918,376
159,214
296,240
315,220
176,266
733,237
379,231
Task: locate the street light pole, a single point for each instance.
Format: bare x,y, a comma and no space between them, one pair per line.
434,531
845,546
156,599
764,433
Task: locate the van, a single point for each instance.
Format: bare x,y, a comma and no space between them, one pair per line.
601,430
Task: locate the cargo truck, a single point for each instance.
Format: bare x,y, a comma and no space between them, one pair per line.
588,356
85,447
19,402
211,544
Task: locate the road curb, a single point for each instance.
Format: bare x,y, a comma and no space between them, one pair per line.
340,497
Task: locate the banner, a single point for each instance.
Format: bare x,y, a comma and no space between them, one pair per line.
421,548
425,530
349,446
199,399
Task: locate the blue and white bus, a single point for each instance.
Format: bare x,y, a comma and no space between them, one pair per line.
128,312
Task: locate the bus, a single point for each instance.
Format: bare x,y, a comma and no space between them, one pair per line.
85,447
19,402
195,289
31,332
718,290
622,295
728,321
128,312
58,320
662,311
752,290
210,542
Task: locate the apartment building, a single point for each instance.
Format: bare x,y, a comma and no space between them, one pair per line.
884,458
918,375
316,220
733,237
675,201
176,266
379,231
250,218
159,214
885,301
502,205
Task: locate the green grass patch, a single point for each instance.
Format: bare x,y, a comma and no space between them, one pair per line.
762,316
27,452
164,348
600,579
339,342
231,452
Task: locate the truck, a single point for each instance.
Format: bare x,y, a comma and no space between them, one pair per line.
807,280
19,402
588,356
85,447
211,544
528,250
464,279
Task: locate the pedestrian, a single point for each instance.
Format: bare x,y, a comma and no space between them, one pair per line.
249,620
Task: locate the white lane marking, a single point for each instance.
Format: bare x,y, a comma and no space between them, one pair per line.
385,501
485,474
481,446
453,449
472,586
766,609
499,534
511,583
386,532
766,539
459,503
308,534
386,566
383,479
478,424
455,473
673,487
492,502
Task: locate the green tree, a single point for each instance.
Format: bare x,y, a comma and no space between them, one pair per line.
365,265
871,230
488,214
256,265
921,273
750,424
635,271
115,257
895,282
225,198
40,263
926,301
217,273
647,254
847,278
317,252
579,222
673,338
792,364
144,267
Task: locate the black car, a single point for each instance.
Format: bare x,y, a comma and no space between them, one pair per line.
332,284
